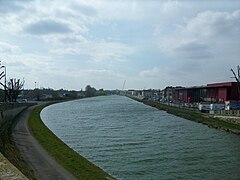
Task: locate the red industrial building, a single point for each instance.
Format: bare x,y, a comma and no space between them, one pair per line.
212,93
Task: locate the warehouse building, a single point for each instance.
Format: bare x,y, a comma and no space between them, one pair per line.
211,93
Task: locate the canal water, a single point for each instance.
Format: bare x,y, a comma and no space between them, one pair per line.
130,140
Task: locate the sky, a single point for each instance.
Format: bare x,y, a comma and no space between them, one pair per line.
149,43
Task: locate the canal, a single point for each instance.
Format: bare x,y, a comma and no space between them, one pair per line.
130,140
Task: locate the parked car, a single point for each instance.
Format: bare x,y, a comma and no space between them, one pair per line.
217,106
232,105
204,107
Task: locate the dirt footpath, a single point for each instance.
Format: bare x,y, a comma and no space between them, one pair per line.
43,165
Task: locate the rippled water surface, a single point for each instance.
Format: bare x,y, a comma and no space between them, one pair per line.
130,140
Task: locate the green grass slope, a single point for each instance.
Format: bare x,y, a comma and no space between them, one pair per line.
195,116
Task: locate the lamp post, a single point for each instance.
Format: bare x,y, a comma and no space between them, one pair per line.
5,82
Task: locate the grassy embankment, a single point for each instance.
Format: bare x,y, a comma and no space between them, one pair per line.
80,167
8,147
195,116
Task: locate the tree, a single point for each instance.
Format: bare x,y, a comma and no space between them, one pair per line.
100,92
14,88
73,94
90,91
237,77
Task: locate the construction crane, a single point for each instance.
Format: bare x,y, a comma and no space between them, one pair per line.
122,92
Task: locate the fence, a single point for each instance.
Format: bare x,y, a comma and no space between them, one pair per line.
226,112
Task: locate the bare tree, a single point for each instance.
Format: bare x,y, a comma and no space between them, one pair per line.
237,77
13,88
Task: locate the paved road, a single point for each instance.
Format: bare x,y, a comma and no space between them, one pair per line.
43,165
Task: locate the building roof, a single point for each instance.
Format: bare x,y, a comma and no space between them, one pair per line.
193,87
224,84
214,85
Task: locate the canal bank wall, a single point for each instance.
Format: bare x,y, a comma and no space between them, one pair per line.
7,115
194,115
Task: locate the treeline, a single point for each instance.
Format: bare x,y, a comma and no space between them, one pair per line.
45,94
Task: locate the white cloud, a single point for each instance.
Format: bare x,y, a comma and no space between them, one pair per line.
84,8
110,51
192,42
152,73
119,10
64,26
160,77
157,77
44,27
202,35
210,24
31,67
11,6
170,6
46,17
76,78
7,48
28,63
47,71
98,52
192,50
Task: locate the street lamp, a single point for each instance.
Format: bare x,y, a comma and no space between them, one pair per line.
5,82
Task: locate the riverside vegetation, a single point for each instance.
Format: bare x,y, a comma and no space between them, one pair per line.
195,116
80,167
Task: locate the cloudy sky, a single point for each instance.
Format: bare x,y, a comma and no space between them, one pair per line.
148,43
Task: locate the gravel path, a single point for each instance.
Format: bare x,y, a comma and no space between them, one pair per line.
43,165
